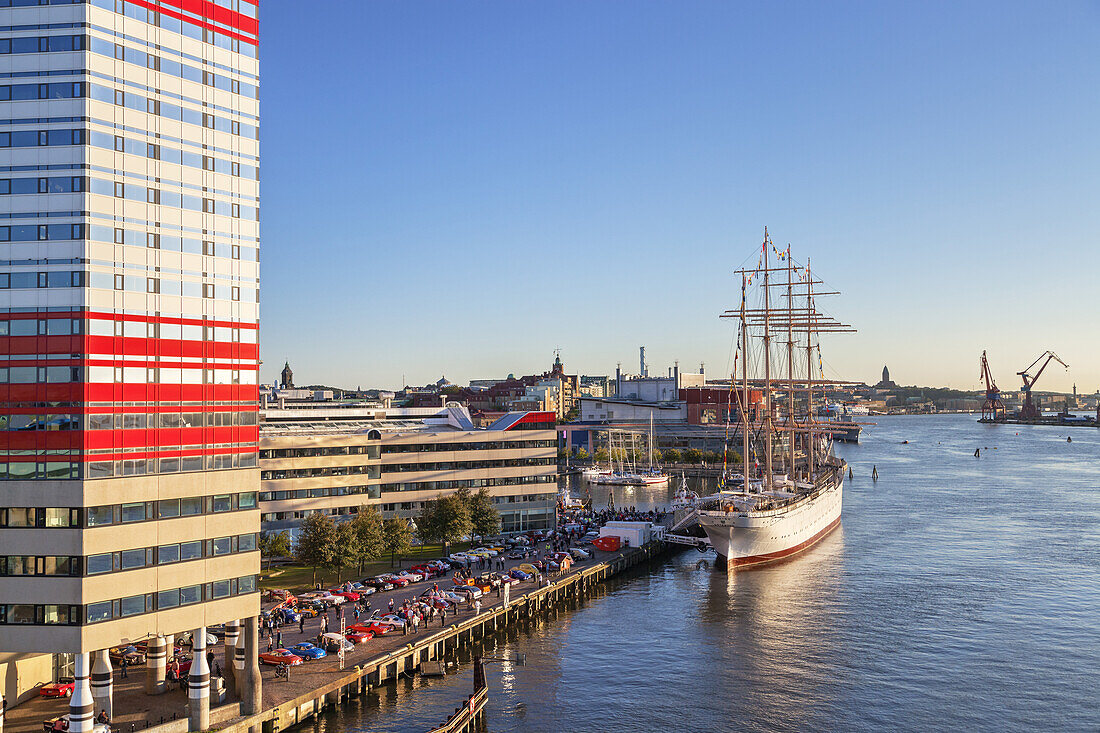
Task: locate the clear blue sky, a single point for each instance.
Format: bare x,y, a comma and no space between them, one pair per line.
461,187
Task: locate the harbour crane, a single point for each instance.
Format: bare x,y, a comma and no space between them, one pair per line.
1029,411
993,409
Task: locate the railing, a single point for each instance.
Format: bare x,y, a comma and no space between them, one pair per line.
464,718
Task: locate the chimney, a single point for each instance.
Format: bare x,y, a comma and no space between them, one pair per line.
676,376
642,371
701,368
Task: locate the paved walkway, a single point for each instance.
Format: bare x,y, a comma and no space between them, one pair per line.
134,710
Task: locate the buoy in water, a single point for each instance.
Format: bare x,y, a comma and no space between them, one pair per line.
874,473
849,473
1069,439
977,452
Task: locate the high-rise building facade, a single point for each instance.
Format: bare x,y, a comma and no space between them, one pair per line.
128,321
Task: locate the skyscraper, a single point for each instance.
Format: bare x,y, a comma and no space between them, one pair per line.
128,325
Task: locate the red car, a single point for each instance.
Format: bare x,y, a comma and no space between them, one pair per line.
399,581
358,636
426,570
375,627
349,594
62,688
280,656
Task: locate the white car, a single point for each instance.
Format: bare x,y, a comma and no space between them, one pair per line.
329,598
488,550
460,557
412,576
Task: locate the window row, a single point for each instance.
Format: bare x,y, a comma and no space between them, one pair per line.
171,331
174,199
110,514
41,138
469,483
156,240
174,464
51,615
54,184
371,451
160,108
56,90
175,25
489,445
167,154
372,492
153,62
171,286
466,465
124,375
42,44
51,279
125,421
40,233
369,471
113,562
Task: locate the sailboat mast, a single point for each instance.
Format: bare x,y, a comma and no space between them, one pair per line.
810,368
651,440
767,369
790,363
744,386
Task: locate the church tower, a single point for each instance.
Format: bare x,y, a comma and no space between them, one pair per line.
286,377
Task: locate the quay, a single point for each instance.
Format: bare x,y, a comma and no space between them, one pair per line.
321,684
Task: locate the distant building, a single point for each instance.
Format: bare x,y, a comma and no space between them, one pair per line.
286,377
886,383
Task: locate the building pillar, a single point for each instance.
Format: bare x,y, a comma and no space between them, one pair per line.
229,660
198,682
156,666
238,660
251,684
102,685
3,707
81,705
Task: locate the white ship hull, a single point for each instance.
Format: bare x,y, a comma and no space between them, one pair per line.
743,539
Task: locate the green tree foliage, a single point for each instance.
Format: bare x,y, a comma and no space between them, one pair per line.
601,455
275,544
693,455
445,519
484,518
370,533
711,456
671,455
397,537
347,550
582,454
317,542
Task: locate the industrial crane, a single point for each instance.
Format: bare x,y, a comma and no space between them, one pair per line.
993,409
1029,411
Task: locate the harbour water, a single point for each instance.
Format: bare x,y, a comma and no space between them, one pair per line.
959,593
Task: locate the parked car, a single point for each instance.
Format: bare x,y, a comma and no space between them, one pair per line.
305,650
289,615
62,688
61,722
467,590
392,619
377,628
579,554
399,581
131,654
411,576
519,574
358,636
280,656
349,595
334,641
309,610
381,582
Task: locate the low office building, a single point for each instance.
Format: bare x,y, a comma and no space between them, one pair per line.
334,458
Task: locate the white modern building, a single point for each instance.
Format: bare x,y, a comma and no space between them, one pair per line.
128,328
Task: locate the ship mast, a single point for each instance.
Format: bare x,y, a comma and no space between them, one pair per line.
744,385
790,364
810,369
767,369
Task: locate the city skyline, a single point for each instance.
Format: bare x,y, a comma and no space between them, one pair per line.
595,192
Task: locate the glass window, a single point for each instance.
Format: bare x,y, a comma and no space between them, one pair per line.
20,565
58,566
221,546
133,605
133,512
20,517
246,584
221,589
168,553
191,550
190,506
168,598
133,559
57,517
99,564
20,614
223,503
168,508
190,594
99,611
56,615
99,515
246,542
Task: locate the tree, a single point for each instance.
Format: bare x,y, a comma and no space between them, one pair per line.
371,535
582,454
275,544
397,537
317,542
600,455
693,455
484,518
445,519
671,455
346,552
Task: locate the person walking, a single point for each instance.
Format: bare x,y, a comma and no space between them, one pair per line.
477,607
124,665
278,639
391,605
301,624
443,617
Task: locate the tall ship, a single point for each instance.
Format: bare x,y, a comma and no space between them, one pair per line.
787,495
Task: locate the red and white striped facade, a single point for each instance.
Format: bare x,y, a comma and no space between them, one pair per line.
129,312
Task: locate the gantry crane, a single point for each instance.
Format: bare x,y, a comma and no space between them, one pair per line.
993,409
1029,411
